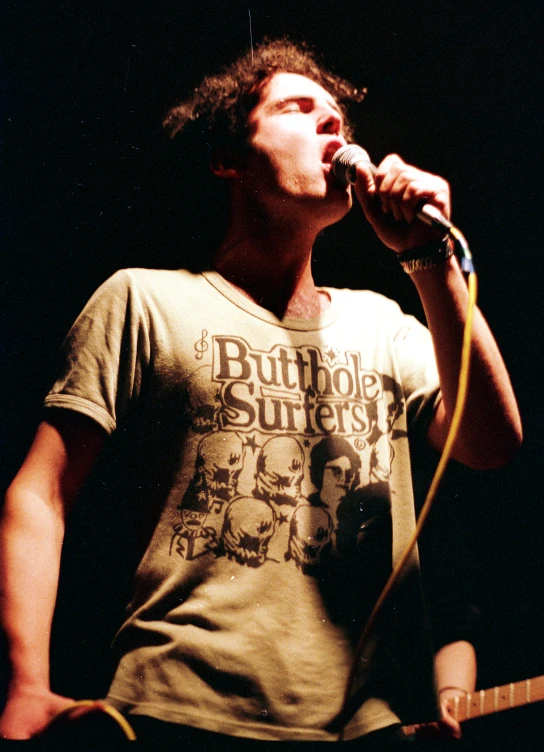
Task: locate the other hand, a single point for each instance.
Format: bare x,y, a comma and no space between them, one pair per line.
28,711
446,728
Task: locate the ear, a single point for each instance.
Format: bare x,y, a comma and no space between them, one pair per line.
224,164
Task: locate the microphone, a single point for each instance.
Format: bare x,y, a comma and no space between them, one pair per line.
344,164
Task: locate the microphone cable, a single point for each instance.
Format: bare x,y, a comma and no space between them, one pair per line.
99,706
467,266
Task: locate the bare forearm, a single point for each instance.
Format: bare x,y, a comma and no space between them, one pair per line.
491,428
455,672
455,667
31,535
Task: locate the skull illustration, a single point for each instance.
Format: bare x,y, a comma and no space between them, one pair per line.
219,460
203,407
248,527
309,536
280,471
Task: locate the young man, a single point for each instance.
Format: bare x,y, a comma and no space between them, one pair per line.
240,631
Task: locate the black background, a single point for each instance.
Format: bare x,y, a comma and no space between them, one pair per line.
91,187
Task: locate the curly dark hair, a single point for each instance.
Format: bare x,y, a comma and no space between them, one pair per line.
222,103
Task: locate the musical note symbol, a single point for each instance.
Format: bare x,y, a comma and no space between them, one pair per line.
217,503
201,346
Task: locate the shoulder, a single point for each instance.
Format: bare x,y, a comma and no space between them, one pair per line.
128,287
138,278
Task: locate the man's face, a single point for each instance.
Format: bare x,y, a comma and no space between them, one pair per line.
294,131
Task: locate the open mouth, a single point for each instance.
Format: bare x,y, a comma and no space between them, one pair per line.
330,151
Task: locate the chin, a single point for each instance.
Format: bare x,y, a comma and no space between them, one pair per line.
338,204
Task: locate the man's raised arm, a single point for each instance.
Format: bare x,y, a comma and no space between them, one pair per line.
490,431
31,535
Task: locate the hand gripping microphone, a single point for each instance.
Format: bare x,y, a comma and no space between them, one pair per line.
344,163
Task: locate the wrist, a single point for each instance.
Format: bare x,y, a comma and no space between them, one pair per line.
426,256
28,694
29,681
30,676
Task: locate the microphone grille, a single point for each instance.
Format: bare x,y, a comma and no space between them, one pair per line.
344,159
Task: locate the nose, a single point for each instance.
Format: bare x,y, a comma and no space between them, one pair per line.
330,121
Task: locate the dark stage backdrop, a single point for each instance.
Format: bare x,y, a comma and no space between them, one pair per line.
90,186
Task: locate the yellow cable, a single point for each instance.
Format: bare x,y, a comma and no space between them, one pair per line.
441,467
104,707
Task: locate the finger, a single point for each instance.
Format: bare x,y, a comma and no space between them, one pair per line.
449,722
73,710
372,208
397,192
452,727
412,199
365,188
390,166
441,199
403,198
82,709
59,707
398,182
365,182
392,177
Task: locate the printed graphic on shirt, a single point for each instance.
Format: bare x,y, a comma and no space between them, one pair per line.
192,537
293,390
295,458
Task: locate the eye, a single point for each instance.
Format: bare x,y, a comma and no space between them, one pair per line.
291,107
296,105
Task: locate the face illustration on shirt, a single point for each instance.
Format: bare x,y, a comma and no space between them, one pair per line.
338,478
193,521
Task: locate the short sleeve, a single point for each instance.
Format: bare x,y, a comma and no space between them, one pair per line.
416,359
105,355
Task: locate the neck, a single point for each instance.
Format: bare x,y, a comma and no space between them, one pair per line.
270,263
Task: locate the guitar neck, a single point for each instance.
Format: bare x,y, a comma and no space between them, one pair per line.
495,699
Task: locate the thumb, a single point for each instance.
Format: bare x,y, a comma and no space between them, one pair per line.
366,190
364,173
